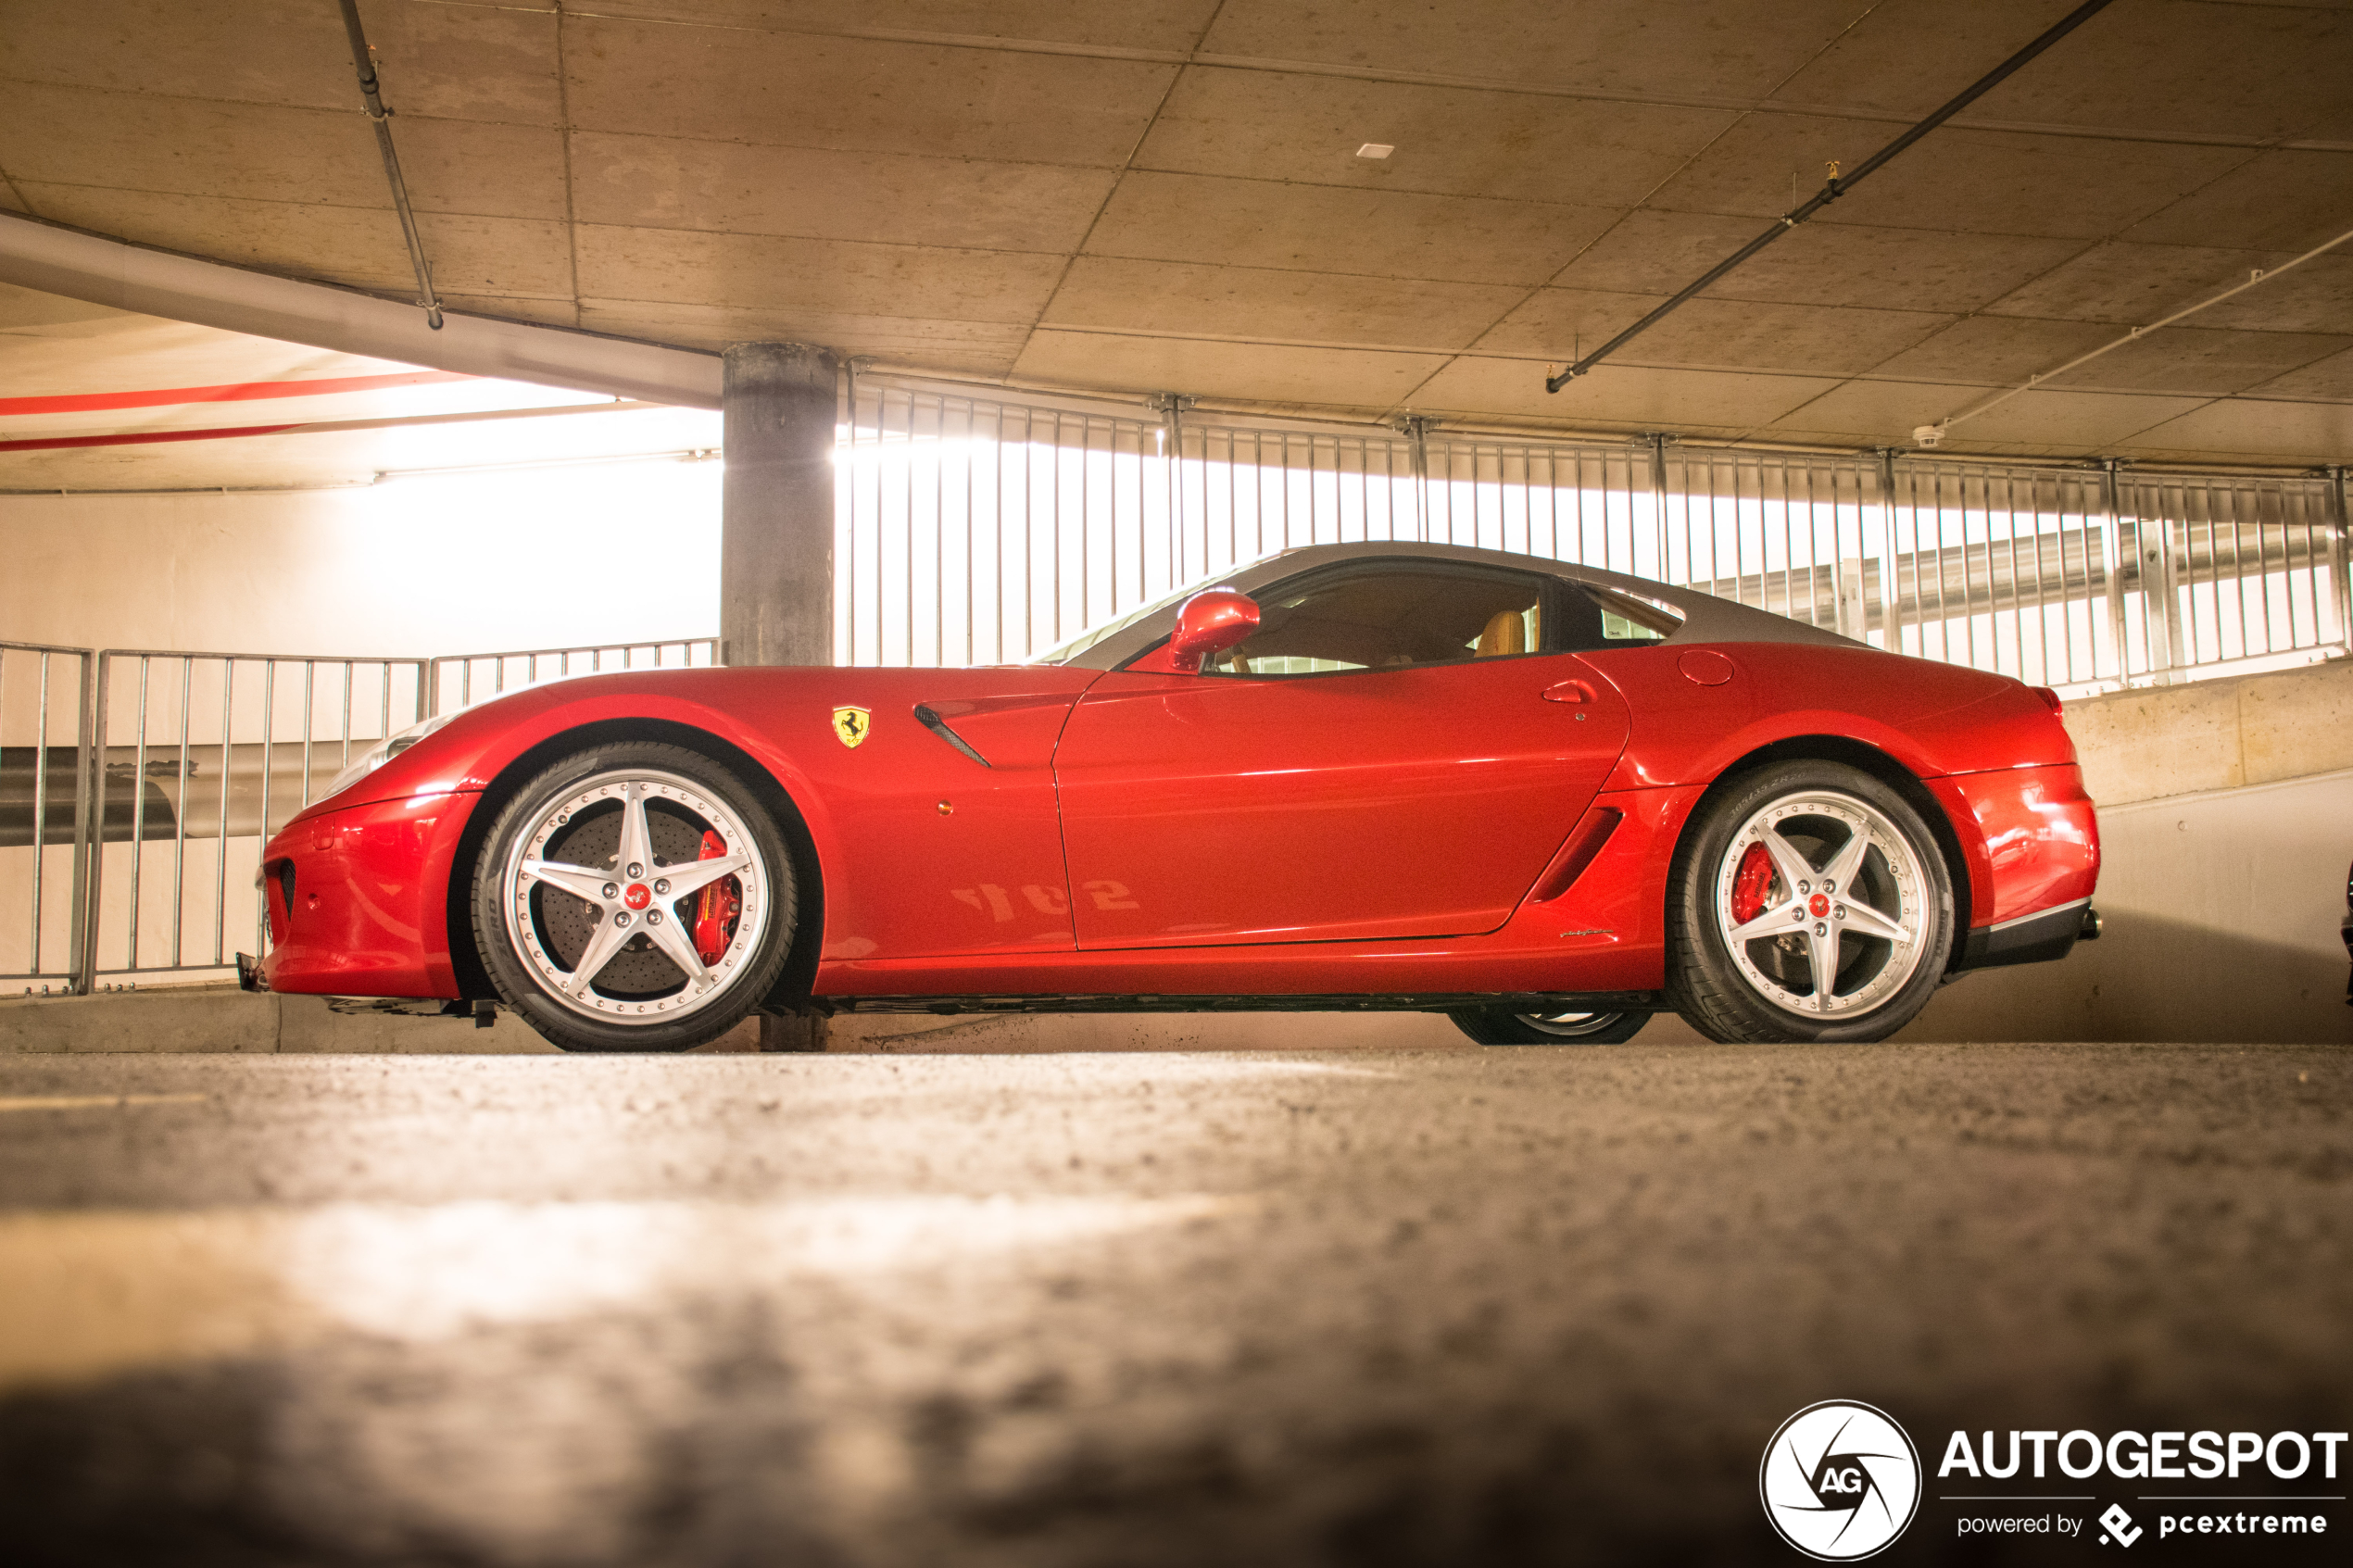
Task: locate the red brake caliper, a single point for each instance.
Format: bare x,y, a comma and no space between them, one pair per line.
1749,886
716,906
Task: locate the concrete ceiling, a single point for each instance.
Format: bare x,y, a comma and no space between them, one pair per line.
1165,195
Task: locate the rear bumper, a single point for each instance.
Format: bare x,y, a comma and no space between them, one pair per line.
2031,841
2037,938
366,911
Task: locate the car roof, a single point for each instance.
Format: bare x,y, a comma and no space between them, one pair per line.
1706,618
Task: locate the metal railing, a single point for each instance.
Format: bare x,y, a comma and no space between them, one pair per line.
203,756
450,680
981,529
138,786
45,765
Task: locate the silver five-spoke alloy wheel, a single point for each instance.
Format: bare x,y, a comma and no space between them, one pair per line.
600,895
1819,900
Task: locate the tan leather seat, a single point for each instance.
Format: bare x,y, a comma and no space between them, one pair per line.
1506,633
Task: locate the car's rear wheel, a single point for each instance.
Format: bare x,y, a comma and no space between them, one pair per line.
634,897
1501,1026
1810,902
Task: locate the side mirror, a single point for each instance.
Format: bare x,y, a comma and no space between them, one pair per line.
1209,623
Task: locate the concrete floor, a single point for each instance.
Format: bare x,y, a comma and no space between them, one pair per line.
1372,1306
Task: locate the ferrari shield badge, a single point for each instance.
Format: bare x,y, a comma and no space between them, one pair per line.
851,724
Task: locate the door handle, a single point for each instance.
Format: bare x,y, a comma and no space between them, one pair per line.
1569,691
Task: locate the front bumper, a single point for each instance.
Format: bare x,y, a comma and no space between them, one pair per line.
365,910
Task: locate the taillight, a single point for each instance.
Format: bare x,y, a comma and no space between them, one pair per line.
2050,698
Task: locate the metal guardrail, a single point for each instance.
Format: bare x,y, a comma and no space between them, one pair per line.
45,802
497,670
138,785
974,528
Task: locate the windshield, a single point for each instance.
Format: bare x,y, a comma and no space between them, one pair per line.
1062,653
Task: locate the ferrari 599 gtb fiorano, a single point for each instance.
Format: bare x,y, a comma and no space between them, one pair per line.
1548,800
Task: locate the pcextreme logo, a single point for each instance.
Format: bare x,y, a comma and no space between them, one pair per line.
1840,1480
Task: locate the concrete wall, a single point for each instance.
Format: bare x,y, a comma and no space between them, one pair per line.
546,558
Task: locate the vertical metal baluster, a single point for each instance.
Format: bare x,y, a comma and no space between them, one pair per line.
89,819
346,711
309,706
269,773
2340,583
1283,477
1055,539
1944,603
180,815
2263,573
220,842
972,455
1028,529
40,801
1993,593
939,535
846,643
94,784
2112,574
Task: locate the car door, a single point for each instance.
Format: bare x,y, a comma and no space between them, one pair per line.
1394,753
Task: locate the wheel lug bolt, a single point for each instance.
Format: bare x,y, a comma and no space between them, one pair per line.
1839,912
1819,930
1806,888
612,889
636,871
621,919
1829,886
653,917
662,886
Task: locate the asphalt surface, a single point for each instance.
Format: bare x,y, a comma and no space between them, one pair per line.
1511,1307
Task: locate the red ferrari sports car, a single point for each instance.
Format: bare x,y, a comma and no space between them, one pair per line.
1548,800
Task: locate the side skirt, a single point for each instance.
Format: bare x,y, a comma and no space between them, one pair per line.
1517,1001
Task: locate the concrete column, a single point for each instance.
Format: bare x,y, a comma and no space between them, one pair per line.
777,531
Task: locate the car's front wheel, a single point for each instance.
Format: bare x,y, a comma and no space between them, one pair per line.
1810,902
634,897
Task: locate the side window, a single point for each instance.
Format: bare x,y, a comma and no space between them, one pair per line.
1391,618
1591,619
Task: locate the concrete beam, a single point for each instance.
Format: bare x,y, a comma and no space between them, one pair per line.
58,260
776,530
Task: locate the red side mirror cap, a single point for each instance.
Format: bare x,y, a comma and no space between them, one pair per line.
1209,623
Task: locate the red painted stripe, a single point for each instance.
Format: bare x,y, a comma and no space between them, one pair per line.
140,438
235,391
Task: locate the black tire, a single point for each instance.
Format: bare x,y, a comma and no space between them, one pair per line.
1501,1026
538,911
1882,942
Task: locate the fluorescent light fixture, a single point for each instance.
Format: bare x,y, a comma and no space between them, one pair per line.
685,455
1375,149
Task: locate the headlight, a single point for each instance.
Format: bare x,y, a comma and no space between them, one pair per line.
384,751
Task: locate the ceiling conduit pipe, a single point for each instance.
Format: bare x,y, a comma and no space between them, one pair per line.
1835,188
1929,435
363,58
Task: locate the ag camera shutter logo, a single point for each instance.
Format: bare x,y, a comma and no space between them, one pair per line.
1839,1481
